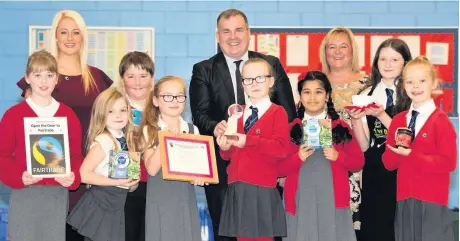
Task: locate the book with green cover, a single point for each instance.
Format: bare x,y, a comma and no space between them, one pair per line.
124,165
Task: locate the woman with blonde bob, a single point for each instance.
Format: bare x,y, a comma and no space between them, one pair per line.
79,83
99,215
340,62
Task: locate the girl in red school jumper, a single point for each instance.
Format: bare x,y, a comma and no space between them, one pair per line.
424,168
316,190
252,207
38,206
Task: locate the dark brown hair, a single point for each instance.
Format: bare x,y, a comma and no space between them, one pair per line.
139,60
402,99
232,13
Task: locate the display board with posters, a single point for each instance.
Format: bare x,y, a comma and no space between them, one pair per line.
299,49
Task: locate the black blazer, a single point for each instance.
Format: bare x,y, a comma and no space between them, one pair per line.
211,93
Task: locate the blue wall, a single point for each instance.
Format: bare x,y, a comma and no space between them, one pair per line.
185,29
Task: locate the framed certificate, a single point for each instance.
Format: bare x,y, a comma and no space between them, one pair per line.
187,157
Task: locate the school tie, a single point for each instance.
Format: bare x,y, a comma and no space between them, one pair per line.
251,119
389,97
123,144
239,84
413,118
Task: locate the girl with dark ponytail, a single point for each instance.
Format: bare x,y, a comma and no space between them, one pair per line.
317,180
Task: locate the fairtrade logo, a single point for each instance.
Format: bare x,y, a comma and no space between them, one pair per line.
45,145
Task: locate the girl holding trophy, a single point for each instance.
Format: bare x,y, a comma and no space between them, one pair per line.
99,215
424,161
316,191
252,207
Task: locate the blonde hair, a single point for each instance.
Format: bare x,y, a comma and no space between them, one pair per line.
267,66
354,46
422,60
259,61
39,61
97,125
151,113
88,80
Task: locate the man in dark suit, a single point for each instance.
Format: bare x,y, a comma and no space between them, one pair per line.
216,84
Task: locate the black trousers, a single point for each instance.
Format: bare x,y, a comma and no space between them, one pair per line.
135,214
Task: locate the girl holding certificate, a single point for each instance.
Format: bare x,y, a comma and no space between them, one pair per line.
252,208
316,191
38,206
99,215
171,210
425,163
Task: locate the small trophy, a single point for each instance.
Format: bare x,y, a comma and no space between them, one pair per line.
316,134
124,164
403,138
235,112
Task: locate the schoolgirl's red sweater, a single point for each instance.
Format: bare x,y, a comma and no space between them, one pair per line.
350,158
13,145
425,173
267,143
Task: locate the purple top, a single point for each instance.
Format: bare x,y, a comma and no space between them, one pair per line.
70,92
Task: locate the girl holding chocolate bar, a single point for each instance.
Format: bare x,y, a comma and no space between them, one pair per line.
370,126
424,167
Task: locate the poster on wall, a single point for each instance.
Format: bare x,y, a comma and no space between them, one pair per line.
106,45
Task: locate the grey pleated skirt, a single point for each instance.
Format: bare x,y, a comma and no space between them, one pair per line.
99,215
38,213
422,221
317,218
252,211
171,211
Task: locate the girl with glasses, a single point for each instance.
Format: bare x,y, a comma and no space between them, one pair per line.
171,210
252,208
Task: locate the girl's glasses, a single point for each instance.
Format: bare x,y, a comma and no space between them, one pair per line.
170,98
258,79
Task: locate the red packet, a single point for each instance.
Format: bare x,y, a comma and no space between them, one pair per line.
362,108
352,107
403,137
372,105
